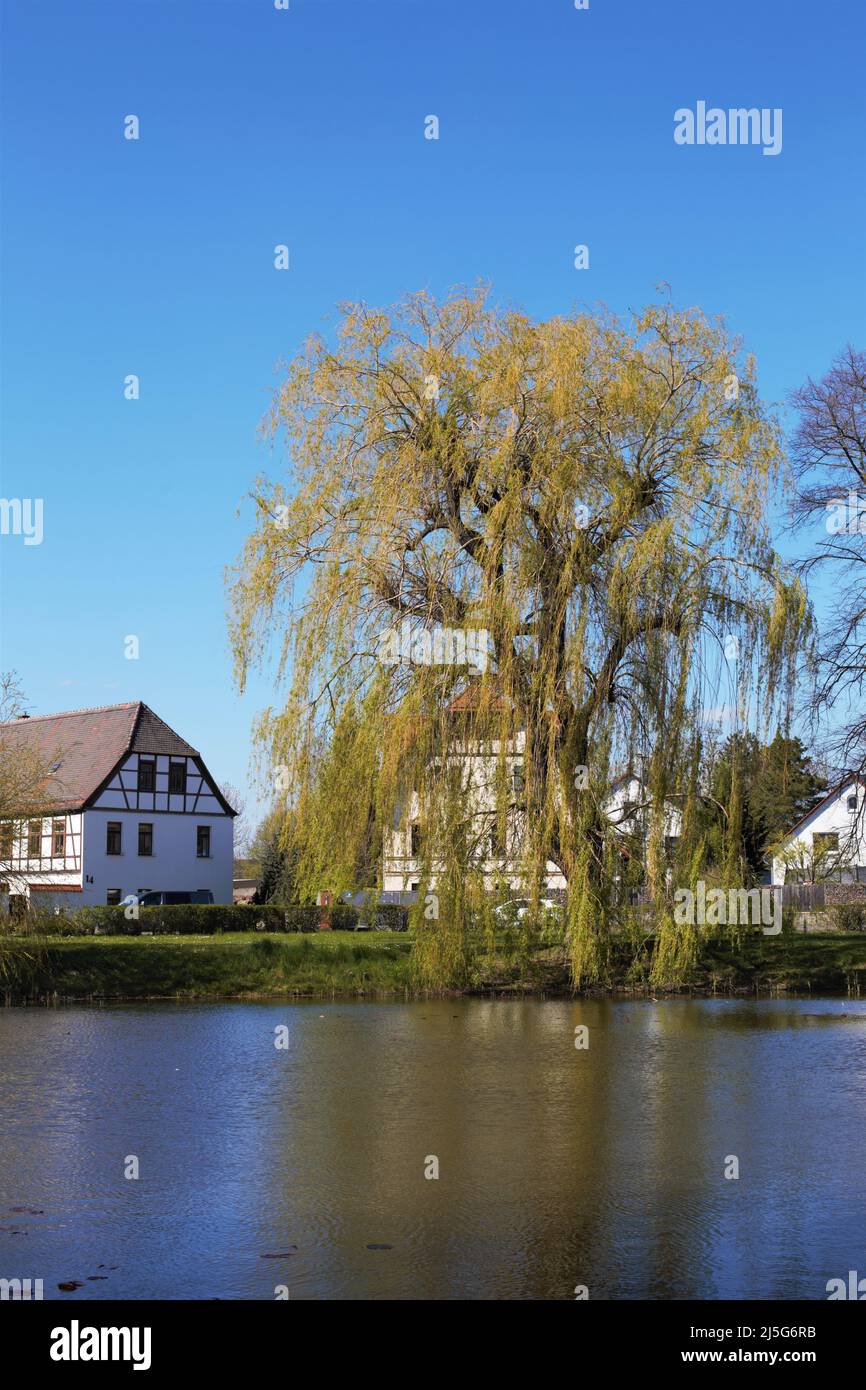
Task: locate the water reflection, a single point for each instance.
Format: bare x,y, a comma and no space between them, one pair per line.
557,1166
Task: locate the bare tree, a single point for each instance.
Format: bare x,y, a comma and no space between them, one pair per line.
828,451
23,776
242,829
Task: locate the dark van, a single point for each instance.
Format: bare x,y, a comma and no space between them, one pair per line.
197,895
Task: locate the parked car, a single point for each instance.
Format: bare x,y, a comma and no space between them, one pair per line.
168,899
519,907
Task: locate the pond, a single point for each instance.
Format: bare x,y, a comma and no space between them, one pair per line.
292,1149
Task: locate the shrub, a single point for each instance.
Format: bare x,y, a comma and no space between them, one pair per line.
207,919
300,917
343,917
851,917
182,919
391,917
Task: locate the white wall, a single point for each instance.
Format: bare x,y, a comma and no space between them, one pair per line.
833,817
629,792
480,771
173,866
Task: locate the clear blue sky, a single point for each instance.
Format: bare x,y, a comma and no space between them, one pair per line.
306,127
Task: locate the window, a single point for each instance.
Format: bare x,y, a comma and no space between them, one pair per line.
825,840
112,897
34,839
852,802
113,837
177,778
202,848
415,840
58,839
672,844
145,838
6,839
147,775
518,780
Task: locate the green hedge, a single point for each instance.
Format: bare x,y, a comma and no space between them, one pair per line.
342,917
391,917
207,919
188,919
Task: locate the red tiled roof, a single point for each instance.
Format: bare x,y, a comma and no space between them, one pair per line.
86,745
473,695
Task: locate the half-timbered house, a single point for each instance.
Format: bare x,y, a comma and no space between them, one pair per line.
127,807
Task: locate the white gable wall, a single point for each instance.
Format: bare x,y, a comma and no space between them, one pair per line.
174,865
832,817
628,793
122,794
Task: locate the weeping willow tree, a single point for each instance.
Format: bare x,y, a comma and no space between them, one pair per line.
506,558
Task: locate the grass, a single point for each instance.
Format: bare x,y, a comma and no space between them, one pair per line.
231,965
813,963
329,964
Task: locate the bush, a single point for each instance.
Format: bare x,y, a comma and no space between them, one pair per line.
851,917
207,919
342,917
390,917
300,917
182,919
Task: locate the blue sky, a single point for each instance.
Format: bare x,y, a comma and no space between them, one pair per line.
306,127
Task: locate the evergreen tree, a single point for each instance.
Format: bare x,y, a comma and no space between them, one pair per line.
784,789
761,792
274,846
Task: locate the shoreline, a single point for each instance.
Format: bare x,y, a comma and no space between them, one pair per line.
328,966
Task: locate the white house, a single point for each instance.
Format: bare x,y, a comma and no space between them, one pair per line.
627,809
128,807
829,842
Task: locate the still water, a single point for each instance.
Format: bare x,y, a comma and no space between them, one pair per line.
305,1166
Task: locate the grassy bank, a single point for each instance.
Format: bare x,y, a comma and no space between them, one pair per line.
195,967
378,964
